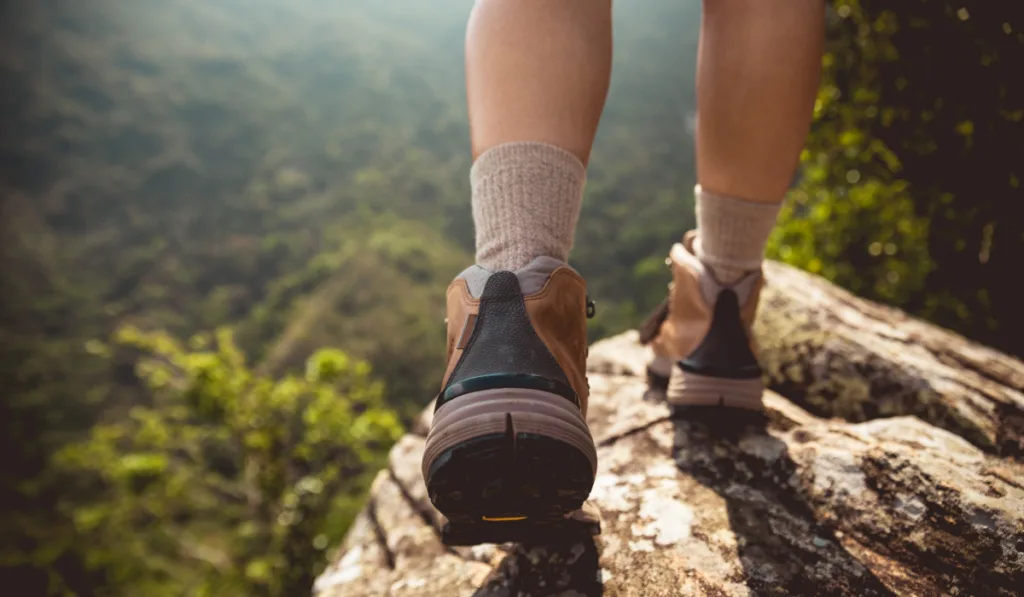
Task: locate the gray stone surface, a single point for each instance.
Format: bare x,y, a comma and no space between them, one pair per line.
907,480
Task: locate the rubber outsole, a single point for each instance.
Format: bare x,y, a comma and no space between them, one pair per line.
691,389
576,526
505,465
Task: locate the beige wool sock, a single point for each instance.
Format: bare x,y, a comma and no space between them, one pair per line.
526,202
732,233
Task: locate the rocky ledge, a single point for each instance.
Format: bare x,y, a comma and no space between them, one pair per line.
889,463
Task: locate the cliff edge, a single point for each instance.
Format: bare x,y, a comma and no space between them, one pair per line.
889,463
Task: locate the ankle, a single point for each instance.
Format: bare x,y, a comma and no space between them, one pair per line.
732,234
526,202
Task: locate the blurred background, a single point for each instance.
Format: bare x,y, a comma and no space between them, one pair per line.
227,226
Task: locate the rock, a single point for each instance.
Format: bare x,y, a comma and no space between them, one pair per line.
888,464
840,356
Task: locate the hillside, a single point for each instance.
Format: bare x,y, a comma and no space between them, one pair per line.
184,165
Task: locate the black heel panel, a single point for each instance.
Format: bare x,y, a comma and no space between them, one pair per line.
504,351
725,351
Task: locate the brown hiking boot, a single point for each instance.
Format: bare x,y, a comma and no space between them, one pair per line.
702,350
509,447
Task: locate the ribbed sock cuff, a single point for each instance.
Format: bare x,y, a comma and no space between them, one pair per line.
732,233
526,202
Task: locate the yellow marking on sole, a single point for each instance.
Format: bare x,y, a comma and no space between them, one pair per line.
503,518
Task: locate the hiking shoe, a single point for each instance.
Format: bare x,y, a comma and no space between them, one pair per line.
509,440
702,351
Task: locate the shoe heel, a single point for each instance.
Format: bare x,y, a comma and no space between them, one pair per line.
686,388
508,456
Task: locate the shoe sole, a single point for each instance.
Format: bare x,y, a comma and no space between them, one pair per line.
508,459
692,389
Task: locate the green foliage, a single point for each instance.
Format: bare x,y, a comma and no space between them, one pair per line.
378,288
911,191
861,234
227,483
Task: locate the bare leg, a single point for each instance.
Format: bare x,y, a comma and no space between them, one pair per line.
758,70
538,70
537,75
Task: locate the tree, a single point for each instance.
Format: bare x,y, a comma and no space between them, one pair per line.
228,482
912,188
